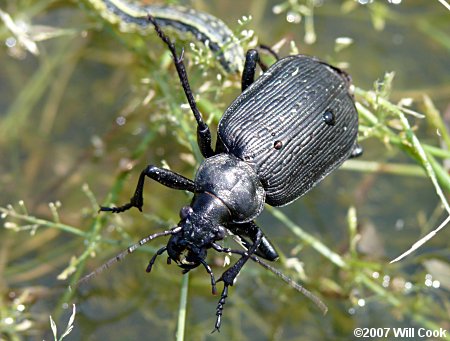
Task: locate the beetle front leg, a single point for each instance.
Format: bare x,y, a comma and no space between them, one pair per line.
251,230
161,175
153,259
229,276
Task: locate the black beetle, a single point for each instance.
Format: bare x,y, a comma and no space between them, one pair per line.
287,130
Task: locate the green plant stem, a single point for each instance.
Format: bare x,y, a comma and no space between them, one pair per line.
42,222
388,168
181,324
409,143
308,238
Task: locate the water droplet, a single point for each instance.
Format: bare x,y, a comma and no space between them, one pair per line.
10,42
293,17
329,118
399,224
9,320
121,120
408,286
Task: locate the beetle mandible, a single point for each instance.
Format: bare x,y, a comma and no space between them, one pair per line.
287,130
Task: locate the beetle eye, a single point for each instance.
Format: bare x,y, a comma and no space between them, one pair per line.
329,118
185,212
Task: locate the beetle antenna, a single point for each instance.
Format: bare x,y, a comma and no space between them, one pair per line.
316,300
124,253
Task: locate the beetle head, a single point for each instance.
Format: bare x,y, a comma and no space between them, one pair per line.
199,229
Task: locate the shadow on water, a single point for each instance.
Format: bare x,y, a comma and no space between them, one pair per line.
81,119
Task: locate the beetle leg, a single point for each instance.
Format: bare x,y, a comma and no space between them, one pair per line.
357,151
161,175
269,50
251,60
213,280
152,261
203,132
248,75
230,275
188,267
250,230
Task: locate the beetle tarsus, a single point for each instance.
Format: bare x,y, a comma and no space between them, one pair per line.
219,310
119,209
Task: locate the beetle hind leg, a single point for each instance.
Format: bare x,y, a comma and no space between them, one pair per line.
270,51
203,132
251,60
248,75
357,151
